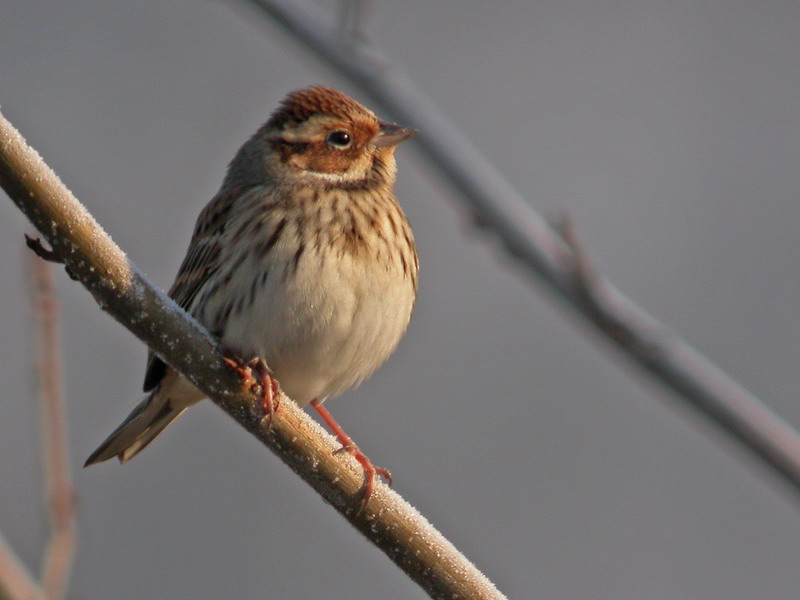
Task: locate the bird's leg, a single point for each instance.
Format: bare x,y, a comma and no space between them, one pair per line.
349,446
269,386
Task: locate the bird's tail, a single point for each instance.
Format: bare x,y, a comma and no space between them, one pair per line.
147,421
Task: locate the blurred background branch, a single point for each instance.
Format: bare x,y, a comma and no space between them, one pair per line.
59,493
538,248
16,582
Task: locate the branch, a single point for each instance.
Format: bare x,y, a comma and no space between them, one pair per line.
16,582
543,251
59,493
122,291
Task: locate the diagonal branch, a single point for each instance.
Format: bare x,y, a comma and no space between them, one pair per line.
16,582
542,251
122,291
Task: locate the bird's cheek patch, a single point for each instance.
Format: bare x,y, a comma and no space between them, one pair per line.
327,161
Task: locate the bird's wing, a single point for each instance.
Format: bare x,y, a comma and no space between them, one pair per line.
200,264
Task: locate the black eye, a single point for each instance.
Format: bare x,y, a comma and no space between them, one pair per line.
339,139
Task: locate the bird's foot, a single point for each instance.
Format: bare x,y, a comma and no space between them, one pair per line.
263,381
370,470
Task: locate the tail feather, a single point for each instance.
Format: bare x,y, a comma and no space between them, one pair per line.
145,423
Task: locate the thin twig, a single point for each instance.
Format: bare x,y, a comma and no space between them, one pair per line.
59,493
120,289
527,237
39,250
352,23
16,582
576,262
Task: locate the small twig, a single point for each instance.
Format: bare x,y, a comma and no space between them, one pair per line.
526,236
353,20
590,294
39,250
59,493
576,261
16,582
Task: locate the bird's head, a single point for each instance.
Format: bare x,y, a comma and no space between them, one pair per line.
320,135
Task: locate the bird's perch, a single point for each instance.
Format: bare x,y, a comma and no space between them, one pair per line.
122,291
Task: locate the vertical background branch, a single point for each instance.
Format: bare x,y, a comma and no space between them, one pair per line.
59,493
16,582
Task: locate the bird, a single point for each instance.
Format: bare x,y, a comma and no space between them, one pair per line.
303,265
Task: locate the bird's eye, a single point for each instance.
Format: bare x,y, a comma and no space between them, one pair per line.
339,139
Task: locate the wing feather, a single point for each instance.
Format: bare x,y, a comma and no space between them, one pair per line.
199,265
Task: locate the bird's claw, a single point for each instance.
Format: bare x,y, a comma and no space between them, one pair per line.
266,385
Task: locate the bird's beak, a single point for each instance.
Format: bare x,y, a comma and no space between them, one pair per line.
390,134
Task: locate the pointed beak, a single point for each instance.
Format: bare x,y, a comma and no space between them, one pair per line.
390,134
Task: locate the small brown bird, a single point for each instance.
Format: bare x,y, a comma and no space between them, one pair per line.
303,259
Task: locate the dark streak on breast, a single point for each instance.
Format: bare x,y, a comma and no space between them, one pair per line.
273,239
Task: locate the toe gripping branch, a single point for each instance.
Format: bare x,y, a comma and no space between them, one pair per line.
255,374
370,470
263,381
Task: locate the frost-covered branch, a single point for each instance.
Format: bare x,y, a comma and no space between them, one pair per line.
540,249
122,291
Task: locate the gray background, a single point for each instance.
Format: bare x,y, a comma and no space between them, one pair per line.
669,130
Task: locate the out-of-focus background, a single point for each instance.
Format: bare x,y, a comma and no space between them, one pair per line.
670,131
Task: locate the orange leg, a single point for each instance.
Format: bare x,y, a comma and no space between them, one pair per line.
348,445
268,385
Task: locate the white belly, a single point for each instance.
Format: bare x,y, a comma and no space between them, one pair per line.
325,328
